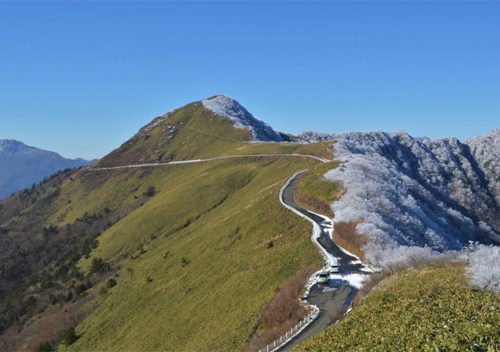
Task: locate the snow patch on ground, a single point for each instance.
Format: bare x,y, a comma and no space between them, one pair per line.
224,106
354,279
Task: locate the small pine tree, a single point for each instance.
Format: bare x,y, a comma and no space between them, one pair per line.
111,283
98,266
44,347
69,336
150,191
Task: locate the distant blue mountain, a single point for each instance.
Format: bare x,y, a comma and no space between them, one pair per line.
22,165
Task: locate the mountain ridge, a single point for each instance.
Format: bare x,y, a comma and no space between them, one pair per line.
22,165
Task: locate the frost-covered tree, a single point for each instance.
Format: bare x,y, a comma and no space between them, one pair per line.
484,267
397,258
411,191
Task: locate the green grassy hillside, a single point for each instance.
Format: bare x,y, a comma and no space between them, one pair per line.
221,218
428,309
194,263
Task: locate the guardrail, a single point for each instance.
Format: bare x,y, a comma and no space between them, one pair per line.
289,335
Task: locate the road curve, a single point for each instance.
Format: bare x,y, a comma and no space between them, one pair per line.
323,228
333,299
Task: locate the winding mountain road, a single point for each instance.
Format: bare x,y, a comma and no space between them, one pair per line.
334,298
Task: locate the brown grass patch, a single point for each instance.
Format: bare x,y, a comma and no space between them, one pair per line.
346,236
313,204
281,313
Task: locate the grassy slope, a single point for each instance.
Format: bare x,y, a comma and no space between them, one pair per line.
213,302
220,216
315,192
427,309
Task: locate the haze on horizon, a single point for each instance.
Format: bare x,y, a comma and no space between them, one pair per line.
80,78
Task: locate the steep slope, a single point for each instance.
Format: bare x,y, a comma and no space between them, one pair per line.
220,218
21,165
184,244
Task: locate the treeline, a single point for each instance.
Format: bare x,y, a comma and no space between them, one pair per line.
43,271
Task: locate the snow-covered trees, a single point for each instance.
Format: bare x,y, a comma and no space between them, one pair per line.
419,201
413,191
486,151
396,258
484,267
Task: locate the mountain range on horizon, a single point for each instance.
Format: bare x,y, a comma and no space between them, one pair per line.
21,166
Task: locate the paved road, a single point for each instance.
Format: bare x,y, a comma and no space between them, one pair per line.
333,299
204,160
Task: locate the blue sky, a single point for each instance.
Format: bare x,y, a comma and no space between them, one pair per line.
80,78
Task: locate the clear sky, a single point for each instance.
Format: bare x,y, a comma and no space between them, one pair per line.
80,78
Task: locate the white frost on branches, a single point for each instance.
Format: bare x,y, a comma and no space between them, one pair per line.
406,191
397,258
486,151
484,268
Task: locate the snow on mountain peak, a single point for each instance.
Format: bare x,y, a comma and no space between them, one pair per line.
225,106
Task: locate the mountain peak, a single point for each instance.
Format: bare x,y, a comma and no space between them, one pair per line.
11,146
22,165
225,106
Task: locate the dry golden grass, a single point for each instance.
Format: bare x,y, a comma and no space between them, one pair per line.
347,237
281,313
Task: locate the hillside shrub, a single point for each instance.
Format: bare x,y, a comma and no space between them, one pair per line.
111,283
150,191
69,336
44,347
185,262
281,313
98,266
